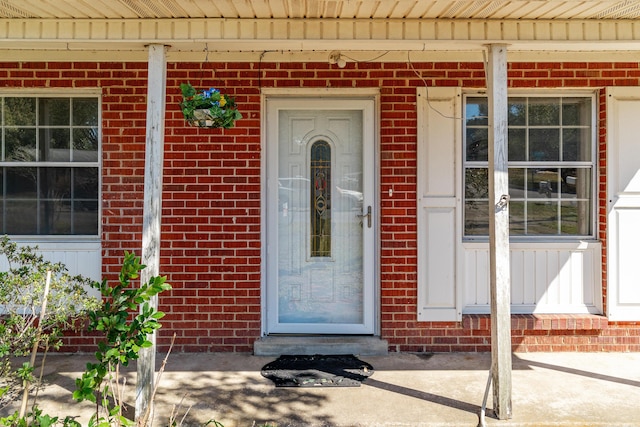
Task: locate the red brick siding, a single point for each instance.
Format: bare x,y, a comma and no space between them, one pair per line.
211,201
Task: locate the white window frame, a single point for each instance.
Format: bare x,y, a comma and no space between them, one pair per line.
73,239
556,164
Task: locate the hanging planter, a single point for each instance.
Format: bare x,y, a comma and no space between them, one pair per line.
208,108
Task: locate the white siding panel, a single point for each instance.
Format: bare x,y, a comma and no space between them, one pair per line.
552,270
540,279
517,280
528,280
84,258
545,278
476,266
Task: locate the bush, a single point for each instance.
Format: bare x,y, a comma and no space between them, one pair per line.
22,291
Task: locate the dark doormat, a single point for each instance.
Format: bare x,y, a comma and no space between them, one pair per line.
317,371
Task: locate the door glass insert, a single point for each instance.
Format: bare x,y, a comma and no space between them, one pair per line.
321,199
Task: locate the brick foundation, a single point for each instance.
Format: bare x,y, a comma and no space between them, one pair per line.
529,333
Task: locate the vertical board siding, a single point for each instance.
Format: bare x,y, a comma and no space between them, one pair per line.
80,258
543,280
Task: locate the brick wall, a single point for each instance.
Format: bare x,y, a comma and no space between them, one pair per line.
211,202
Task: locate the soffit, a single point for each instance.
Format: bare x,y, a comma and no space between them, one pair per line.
321,9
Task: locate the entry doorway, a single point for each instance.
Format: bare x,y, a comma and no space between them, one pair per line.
321,216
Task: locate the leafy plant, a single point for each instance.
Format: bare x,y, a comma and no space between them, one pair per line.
125,333
22,288
29,285
208,108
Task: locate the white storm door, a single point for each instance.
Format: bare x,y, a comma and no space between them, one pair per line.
321,216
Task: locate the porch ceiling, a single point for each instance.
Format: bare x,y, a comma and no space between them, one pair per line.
321,9
304,30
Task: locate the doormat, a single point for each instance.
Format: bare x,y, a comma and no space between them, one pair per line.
317,371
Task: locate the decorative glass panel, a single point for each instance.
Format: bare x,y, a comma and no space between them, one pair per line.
321,199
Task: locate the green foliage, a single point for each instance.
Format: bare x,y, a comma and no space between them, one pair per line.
209,108
125,333
36,418
21,294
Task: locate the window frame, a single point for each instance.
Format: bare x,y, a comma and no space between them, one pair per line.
69,94
593,163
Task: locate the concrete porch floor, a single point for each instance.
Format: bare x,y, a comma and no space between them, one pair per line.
549,389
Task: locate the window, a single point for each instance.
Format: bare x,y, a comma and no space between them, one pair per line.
49,165
551,162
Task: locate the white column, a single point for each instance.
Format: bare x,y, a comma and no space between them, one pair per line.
499,231
154,157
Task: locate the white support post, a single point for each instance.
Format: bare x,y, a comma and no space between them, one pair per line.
500,269
153,165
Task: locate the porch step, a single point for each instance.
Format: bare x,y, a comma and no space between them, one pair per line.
292,345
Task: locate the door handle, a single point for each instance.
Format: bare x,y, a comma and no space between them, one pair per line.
367,215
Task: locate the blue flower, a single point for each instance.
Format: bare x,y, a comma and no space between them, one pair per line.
209,93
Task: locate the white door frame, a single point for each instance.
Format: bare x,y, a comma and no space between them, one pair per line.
328,99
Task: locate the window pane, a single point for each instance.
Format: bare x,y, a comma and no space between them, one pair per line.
21,183
476,218
21,216
477,145
517,221
517,145
85,217
19,111
55,217
544,111
517,112
476,183
546,182
576,183
55,201
576,218
85,112
85,184
54,145
542,218
55,183
576,145
576,111
477,112
85,144
53,111
544,145
20,144
517,182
